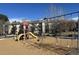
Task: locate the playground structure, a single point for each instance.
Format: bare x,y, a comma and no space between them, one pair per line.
25,34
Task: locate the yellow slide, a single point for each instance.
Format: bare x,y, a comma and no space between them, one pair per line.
22,35
33,35
19,36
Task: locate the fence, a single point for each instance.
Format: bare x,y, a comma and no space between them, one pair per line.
66,30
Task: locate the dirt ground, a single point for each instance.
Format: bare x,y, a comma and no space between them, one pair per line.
47,46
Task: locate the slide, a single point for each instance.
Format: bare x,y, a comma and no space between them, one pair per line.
20,37
33,35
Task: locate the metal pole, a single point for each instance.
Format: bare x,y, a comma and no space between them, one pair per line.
24,32
43,31
78,32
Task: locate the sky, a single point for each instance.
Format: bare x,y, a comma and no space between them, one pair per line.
34,11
